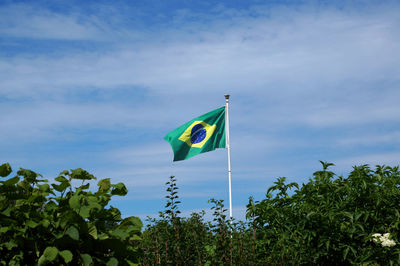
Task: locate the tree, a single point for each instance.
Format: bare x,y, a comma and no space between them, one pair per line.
175,240
57,224
331,220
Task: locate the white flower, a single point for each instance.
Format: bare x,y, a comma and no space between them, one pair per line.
383,239
388,243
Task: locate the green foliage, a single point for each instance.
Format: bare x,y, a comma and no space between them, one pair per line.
173,240
330,220
57,224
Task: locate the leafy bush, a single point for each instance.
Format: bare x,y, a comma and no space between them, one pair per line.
330,220
58,224
172,239
175,240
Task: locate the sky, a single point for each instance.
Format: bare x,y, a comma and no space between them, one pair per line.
98,84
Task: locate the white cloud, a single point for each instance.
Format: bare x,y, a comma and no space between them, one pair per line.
300,54
26,21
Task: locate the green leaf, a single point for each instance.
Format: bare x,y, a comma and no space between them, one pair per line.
135,238
104,185
5,169
112,262
345,252
119,233
93,202
74,202
134,224
45,223
66,255
4,229
81,174
83,187
42,260
61,187
24,185
65,172
84,211
103,236
7,211
61,179
11,181
119,189
92,230
327,244
210,249
10,244
86,259
50,253
44,188
31,224
15,260
29,175
73,232
51,206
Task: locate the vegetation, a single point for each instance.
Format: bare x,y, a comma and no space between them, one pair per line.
57,224
172,239
329,220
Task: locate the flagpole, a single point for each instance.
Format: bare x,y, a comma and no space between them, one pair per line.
228,146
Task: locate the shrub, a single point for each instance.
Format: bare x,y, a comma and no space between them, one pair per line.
330,220
58,224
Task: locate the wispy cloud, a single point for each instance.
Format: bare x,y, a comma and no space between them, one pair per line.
304,51
33,21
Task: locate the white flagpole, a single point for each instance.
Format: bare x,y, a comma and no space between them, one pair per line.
228,146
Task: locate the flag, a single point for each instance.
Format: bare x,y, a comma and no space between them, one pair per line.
201,134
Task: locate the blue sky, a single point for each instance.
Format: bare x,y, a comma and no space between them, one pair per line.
98,84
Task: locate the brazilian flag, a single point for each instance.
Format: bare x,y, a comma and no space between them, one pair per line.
202,134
